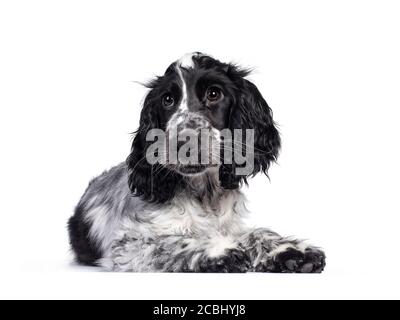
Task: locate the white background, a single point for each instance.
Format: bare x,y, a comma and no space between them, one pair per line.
330,70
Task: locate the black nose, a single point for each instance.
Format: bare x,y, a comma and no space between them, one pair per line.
191,140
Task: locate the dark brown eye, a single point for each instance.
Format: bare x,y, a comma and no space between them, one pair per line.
213,94
168,100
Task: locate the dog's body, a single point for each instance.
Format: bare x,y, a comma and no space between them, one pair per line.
183,218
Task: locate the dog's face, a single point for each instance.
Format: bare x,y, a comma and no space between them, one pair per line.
194,95
197,95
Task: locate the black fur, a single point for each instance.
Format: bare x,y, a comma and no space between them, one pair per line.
86,251
234,261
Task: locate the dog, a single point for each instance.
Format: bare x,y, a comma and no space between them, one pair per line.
183,216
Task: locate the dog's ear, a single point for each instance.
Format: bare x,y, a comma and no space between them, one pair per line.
151,182
251,111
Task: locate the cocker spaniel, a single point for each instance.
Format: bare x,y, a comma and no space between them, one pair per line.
164,209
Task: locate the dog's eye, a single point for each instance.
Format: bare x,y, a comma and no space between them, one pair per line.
213,94
168,100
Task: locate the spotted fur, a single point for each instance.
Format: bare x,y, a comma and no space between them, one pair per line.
154,218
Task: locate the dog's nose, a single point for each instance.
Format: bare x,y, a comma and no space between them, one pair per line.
186,135
191,140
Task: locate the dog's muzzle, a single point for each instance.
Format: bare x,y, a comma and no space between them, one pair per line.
192,144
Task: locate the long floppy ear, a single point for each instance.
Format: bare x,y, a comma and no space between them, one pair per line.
153,183
251,111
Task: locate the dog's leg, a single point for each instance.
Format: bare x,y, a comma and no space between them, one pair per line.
177,254
269,252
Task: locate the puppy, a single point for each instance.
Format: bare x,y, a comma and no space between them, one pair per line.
164,210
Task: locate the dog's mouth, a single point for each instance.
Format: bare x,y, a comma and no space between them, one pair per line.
191,169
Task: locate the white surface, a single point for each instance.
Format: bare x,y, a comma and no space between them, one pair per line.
329,70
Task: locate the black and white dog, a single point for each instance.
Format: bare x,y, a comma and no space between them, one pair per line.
183,217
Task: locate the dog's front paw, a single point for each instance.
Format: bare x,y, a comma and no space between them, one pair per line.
233,261
312,260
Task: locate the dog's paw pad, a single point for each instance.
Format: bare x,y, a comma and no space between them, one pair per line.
307,268
291,264
295,261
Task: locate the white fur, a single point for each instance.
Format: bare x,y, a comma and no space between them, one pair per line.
183,106
187,217
103,227
186,61
219,245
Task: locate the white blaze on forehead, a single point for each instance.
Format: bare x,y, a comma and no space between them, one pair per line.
187,60
183,105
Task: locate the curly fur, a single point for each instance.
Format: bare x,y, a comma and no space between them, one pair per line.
149,218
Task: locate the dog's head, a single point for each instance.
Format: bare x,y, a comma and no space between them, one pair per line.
200,99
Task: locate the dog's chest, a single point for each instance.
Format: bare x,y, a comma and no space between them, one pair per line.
186,217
